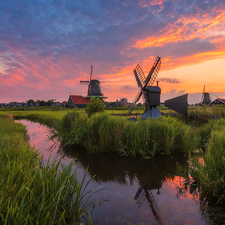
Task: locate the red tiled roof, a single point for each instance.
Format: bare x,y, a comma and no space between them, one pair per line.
223,100
78,99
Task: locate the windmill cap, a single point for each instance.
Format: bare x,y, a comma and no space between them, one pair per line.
154,89
95,81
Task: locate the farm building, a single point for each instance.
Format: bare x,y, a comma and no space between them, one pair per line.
217,101
77,101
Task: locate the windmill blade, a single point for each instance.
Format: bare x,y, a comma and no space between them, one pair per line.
140,76
153,205
203,89
91,73
84,82
153,73
179,104
139,94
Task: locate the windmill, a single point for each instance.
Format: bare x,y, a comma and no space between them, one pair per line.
206,99
94,89
152,93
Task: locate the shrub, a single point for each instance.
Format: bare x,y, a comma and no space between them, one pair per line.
96,105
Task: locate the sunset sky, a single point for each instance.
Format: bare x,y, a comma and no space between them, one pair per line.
47,47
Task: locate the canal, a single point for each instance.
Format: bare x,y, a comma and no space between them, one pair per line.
138,191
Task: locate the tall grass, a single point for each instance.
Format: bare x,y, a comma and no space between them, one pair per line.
211,173
31,193
162,136
105,133
204,132
215,110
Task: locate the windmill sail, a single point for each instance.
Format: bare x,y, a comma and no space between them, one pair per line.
140,76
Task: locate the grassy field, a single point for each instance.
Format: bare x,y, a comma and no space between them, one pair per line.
215,110
31,193
59,112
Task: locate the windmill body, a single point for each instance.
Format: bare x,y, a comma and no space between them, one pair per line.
94,89
206,98
153,98
152,93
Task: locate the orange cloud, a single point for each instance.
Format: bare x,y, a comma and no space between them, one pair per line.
187,29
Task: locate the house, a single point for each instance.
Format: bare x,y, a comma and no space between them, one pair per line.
217,101
77,101
122,102
57,104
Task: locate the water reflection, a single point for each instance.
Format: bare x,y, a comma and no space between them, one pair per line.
138,190
145,193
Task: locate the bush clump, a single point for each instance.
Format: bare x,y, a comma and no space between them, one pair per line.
95,105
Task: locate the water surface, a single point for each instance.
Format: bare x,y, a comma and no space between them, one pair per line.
138,190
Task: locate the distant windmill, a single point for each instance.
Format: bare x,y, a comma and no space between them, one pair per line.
206,99
152,93
94,89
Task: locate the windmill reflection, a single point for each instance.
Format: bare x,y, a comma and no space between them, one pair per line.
145,193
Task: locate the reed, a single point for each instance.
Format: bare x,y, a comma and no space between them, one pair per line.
204,132
210,174
162,136
31,193
104,133
215,110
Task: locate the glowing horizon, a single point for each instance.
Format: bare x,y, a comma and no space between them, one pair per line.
47,47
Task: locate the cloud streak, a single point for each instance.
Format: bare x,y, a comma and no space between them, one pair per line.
169,80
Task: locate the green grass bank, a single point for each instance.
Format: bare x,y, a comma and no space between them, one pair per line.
31,193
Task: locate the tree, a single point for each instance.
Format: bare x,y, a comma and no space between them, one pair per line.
112,104
95,105
139,105
49,102
30,101
42,103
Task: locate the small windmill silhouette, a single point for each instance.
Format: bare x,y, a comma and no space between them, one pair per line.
206,99
94,89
